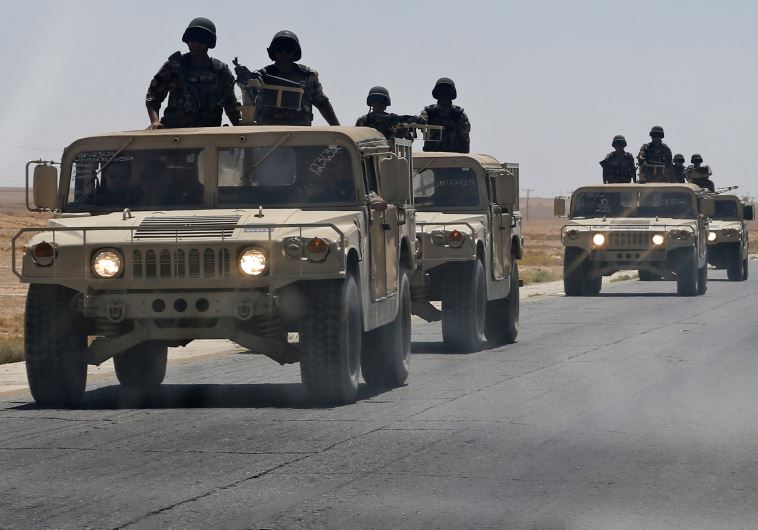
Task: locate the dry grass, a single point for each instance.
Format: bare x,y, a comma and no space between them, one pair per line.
11,350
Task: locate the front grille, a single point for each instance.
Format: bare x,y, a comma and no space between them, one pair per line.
153,264
195,227
629,240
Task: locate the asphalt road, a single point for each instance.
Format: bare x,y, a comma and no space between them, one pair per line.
635,409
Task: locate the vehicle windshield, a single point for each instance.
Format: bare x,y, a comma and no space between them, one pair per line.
139,179
726,209
313,175
629,203
446,187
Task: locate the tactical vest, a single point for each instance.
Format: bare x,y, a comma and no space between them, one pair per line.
618,168
452,139
267,115
197,99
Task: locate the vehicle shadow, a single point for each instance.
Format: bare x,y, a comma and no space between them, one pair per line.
429,348
634,295
221,396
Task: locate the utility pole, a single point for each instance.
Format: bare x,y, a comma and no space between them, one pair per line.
528,191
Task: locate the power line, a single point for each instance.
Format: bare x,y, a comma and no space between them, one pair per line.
528,191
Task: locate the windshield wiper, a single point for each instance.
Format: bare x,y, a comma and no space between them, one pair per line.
118,152
277,145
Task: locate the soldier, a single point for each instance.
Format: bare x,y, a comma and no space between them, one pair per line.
378,118
197,86
455,136
618,166
285,51
699,174
655,160
679,168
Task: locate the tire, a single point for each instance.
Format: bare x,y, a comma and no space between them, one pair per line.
330,335
686,280
592,285
464,307
745,269
55,345
502,318
142,367
734,264
702,280
647,276
386,354
573,271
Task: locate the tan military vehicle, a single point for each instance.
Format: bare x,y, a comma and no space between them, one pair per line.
728,236
659,230
469,239
241,233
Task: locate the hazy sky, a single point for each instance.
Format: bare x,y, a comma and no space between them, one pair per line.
545,83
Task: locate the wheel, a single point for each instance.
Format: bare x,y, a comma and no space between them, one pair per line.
330,335
464,305
647,276
592,285
55,345
734,264
573,271
142,367
702,280
744,269
386,354
502,316
687,273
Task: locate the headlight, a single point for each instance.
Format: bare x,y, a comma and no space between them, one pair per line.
731,232
572,234
658,239
598,240
438,237
252,261
455,238
107,263
712,236
680,234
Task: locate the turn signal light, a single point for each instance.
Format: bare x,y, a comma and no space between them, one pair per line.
317,246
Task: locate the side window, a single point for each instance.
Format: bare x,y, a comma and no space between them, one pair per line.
369,170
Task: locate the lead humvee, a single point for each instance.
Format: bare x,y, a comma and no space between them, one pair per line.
657,229
728,237
469,239
244,233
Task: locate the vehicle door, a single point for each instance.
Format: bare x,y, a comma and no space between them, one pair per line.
499,218
383,241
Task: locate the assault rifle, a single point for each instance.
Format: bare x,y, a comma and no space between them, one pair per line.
266,90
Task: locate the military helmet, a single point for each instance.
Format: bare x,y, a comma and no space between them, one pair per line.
656,132
618,139
679,157
696,158
378,93
285,40
201,26
444,81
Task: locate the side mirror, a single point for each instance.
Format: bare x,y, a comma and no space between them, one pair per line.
559,207
395,180
45,187
707,206
748,214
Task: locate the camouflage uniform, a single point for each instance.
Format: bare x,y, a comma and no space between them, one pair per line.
386,122
313,96
660,154
455,137
196,95
701,175
678,172
618,168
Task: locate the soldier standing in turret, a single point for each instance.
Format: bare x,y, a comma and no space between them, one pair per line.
679,168
455,136
618,166
198,87
385,122
285,51
699,174
655,160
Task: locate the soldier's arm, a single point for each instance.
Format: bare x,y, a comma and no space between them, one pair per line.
156,93
320,101
464,131
229,99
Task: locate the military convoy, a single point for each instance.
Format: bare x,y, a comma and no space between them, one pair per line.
244,233
728,236
657,229
468,241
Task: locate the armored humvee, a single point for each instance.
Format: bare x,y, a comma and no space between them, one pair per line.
243,233
468,230
657,229
728,236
